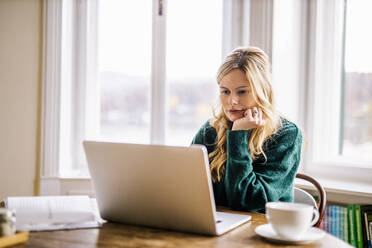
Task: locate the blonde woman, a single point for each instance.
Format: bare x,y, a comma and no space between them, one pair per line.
254,153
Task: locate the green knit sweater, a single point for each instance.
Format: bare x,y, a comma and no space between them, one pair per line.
247,185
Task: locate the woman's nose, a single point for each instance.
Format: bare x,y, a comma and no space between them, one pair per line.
234,100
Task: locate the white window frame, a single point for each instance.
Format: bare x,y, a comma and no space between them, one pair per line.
58,49
65,66
323,105
311,65
253,22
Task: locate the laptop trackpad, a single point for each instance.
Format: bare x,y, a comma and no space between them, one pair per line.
226,221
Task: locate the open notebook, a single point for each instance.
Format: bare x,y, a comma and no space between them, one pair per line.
42,213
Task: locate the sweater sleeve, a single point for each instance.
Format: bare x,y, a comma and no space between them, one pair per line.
199,136
249,185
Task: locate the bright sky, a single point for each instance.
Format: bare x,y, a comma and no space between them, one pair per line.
358,46
193,37
125,36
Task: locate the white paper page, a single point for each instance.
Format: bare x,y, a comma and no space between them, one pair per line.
51,209
58,226
93,202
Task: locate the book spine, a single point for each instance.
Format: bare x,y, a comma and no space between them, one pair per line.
370,232
337,221
358,222
342,221
367,233
350,216
326,217
366,213
332,220
346,226
329,216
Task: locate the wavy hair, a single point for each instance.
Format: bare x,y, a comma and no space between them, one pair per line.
254,63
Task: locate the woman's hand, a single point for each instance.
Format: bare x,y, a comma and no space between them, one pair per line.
252,119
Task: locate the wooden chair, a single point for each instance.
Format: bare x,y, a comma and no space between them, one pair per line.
301,196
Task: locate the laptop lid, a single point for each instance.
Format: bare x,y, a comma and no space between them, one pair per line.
153,185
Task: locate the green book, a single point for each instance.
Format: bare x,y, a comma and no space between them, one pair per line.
358,223
345,225
351,220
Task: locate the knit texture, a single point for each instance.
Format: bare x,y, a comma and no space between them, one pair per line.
247,185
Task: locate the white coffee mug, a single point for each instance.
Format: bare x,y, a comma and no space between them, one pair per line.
291,220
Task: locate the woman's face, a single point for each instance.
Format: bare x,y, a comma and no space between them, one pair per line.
235,95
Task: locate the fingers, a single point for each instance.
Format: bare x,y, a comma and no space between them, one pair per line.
253,118
249,114
255,115
260,116
255,112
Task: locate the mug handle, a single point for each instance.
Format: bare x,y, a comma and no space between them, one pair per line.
316,216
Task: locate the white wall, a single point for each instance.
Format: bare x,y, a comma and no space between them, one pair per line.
20,82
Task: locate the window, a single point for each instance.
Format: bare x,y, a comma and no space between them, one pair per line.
339,90
321,73
193,54
124,70
357,89
150,87
153,82
192,51
108,79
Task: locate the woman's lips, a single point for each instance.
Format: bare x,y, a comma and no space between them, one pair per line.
234,112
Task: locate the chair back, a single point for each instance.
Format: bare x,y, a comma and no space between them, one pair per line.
301,196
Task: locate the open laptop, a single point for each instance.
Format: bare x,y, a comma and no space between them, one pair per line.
157,186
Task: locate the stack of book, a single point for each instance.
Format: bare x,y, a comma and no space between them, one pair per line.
351,223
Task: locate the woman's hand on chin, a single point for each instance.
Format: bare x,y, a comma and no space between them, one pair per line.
252,119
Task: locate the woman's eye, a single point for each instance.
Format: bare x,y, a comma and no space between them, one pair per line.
242,92
225,92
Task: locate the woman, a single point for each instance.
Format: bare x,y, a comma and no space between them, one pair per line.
254,153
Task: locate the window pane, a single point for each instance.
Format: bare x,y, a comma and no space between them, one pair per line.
124,64
357,133
194,45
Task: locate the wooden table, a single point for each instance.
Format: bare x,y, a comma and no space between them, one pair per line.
118,235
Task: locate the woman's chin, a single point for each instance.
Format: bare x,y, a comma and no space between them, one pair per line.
233,118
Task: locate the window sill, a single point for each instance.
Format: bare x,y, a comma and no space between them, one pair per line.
338,191
341,192
66,186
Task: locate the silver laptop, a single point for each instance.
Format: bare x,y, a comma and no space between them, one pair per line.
157,186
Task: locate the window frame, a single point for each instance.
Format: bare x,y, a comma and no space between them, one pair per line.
325,64
245,22
58,48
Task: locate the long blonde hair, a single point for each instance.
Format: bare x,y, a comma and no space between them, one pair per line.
256,66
